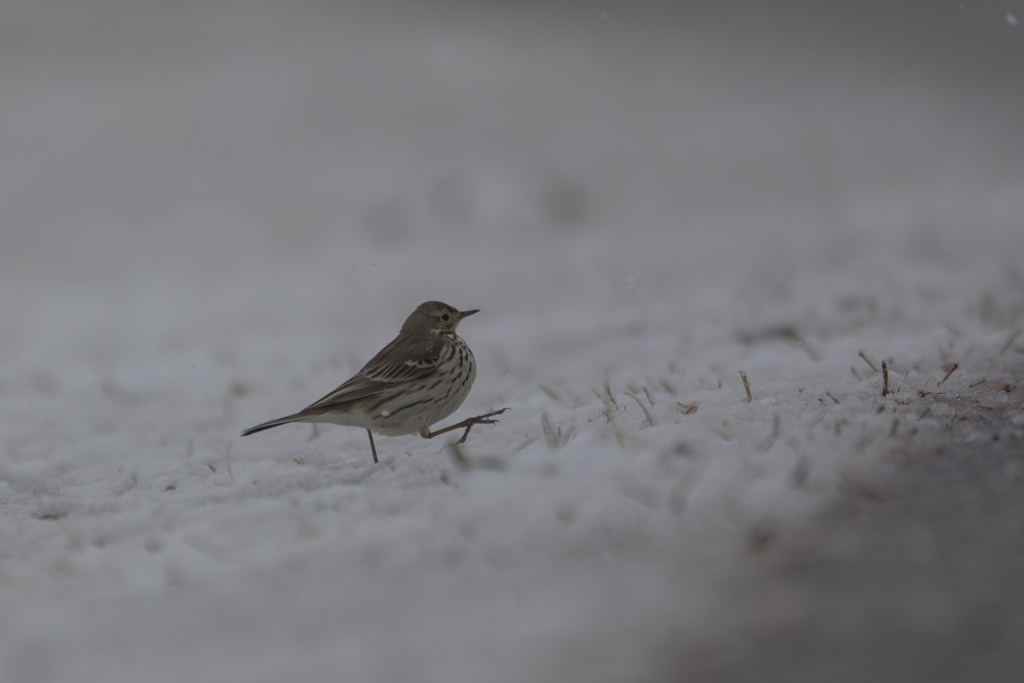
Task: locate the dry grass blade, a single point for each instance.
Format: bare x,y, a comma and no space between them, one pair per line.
608,390
951,371
867,360
746,385
687,408
885,379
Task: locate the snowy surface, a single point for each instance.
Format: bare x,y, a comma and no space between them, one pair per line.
213,216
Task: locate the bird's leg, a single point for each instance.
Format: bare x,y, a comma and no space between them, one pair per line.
372,447
467,423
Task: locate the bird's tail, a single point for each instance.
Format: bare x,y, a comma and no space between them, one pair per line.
274,423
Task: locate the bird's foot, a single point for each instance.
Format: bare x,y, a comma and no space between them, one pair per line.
484,419
468,423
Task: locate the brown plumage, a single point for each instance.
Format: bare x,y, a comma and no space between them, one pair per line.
421,377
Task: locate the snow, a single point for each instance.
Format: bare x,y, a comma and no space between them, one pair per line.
215,215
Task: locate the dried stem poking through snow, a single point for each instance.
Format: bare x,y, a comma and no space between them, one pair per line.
867,360
746,385
951,371
608,390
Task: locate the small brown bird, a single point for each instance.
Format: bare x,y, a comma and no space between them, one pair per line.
421,377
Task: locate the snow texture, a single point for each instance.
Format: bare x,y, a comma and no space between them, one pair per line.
213,214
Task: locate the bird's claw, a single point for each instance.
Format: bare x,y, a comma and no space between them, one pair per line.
485,418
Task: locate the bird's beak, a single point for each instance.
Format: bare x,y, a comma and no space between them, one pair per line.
463,314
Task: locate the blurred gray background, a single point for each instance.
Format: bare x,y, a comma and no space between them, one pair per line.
202,141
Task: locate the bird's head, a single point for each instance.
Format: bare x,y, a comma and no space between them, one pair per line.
434,315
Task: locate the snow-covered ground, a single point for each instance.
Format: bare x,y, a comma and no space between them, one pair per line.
214,214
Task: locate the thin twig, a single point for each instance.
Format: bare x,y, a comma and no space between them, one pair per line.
746,385
867,360
951,371
608,389
885,379
834,399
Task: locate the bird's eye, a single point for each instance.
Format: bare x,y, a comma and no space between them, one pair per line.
444,317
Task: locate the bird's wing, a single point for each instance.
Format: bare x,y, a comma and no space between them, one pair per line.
395,363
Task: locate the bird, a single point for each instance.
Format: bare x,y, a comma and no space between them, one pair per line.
420,378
